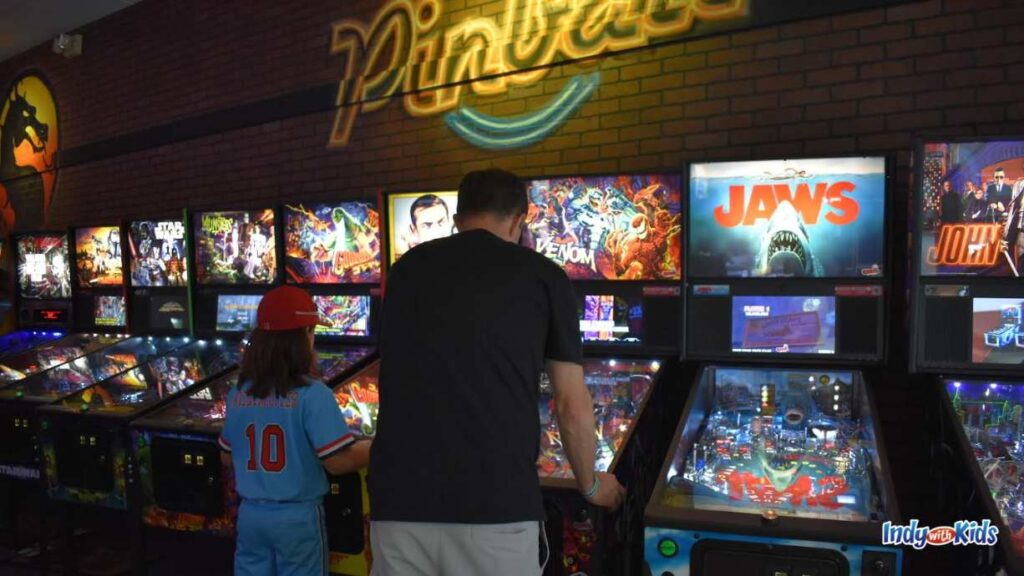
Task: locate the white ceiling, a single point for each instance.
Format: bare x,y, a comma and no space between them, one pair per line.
25,24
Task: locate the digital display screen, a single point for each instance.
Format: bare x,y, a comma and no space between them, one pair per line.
237,312
235,247
347,315
997,337
613,319
157,250
784,324
419,217
98,256
109,311
819,218
332,243
969,194
43,267
49,316
608,227
168,313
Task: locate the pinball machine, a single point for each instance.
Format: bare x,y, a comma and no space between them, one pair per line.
99,262
411,219
332,251
966,339
618,238
779,466
43,298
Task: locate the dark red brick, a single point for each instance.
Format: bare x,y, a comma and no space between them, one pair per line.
831,110
914,11
779,116
755,69
832,145
805,28
975,77
885,142
755,36
886,105
779,49
914,120
708,44
857,55
832,76
862,89
975,115
944,98
730,122
831,41
887,68
708,140
974,39
811,61
707,75
915,47
999,17
859,125
708,108
755,102
780,82
805,96
915,83
754,135
727,89
943,24
885,33
944,61
779,149
857,20
731,56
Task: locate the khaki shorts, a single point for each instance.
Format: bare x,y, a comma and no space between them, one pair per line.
436,549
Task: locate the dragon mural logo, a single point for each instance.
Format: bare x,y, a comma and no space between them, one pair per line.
29,142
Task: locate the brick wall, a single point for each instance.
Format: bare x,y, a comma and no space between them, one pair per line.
869,81
864,82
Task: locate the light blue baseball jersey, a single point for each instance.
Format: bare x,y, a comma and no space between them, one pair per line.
276,444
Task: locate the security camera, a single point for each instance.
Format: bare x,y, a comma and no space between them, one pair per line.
70,45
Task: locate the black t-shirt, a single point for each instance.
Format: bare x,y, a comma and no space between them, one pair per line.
468,322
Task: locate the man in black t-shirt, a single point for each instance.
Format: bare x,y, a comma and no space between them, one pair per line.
470,322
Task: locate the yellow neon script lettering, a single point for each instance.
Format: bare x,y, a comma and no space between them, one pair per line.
403,50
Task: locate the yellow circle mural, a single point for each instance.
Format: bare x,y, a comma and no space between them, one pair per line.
29,141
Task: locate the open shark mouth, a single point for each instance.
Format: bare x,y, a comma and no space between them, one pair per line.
786,245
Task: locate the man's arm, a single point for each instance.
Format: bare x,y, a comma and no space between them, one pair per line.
574,409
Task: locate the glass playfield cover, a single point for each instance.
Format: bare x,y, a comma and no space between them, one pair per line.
793,441
620,389
990,415
147,384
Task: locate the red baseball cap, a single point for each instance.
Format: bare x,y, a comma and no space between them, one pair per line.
287,308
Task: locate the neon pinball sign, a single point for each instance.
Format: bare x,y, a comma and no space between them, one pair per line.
405,51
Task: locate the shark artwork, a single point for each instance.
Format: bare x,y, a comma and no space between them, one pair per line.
817,218
785,246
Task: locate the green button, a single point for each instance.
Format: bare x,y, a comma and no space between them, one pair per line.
84,407
668,547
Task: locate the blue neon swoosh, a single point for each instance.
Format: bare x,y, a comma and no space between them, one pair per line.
494,133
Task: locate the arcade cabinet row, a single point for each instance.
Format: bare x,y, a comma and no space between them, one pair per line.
130,423
776,464
967,300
